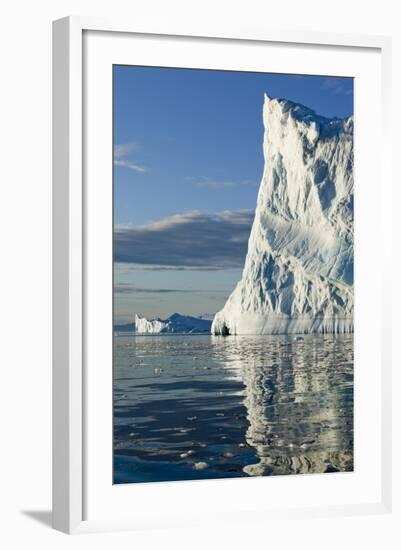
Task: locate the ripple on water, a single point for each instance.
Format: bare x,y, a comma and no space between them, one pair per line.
257,406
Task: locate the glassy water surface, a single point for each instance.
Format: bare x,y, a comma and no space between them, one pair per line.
195,407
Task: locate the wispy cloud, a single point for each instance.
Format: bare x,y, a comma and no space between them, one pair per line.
339,86
123,149
127,288
191,240
122,154
131,165
211,183
133,289
155,267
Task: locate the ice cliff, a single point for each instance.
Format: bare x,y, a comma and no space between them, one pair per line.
298,273
176,323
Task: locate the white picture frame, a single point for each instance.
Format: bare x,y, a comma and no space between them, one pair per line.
70,260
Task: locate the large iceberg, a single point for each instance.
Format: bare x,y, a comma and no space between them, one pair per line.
298,273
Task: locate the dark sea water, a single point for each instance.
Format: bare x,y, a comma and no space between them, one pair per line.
195,407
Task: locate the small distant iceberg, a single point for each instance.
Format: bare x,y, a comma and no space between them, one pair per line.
176,323
149,326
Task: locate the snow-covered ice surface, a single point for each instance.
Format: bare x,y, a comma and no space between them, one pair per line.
176,323
149,326
298,273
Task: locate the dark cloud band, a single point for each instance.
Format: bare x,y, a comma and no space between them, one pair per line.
193,239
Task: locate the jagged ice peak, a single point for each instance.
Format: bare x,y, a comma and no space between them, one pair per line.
298,272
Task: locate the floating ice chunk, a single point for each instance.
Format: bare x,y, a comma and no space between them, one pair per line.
187,454
201,465
228,454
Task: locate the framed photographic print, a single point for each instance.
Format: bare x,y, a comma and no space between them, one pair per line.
220,326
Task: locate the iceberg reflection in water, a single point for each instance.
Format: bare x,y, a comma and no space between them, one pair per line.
196,407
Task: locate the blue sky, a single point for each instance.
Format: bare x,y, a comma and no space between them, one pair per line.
187,166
